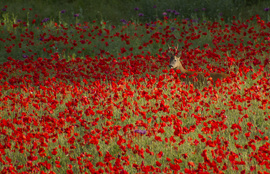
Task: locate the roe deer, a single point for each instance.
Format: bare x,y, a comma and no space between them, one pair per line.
175,63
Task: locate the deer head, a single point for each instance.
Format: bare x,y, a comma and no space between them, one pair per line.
175,62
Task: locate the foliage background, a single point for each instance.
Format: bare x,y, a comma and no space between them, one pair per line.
117,104
114,10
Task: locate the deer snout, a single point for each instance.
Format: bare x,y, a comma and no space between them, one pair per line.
170,66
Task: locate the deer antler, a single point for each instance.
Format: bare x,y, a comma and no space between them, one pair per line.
170,49
176,48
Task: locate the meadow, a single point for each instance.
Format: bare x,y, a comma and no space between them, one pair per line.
99,97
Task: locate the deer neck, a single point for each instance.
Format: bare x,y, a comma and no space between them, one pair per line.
181,68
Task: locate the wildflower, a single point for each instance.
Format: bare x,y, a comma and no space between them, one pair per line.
176,13
45,20
154,6
24,56
124,21
164,13
140,131
4,9
140,14
76,15
266,9
63,11
190,163
136,8
203,9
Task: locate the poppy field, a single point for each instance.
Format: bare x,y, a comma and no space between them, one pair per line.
91,97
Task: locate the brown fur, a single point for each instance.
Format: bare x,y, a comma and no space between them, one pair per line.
175,63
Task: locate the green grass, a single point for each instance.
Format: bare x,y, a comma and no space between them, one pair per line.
210,117
60,83
115,10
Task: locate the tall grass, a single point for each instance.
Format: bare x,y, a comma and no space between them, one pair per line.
88,93
113,11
